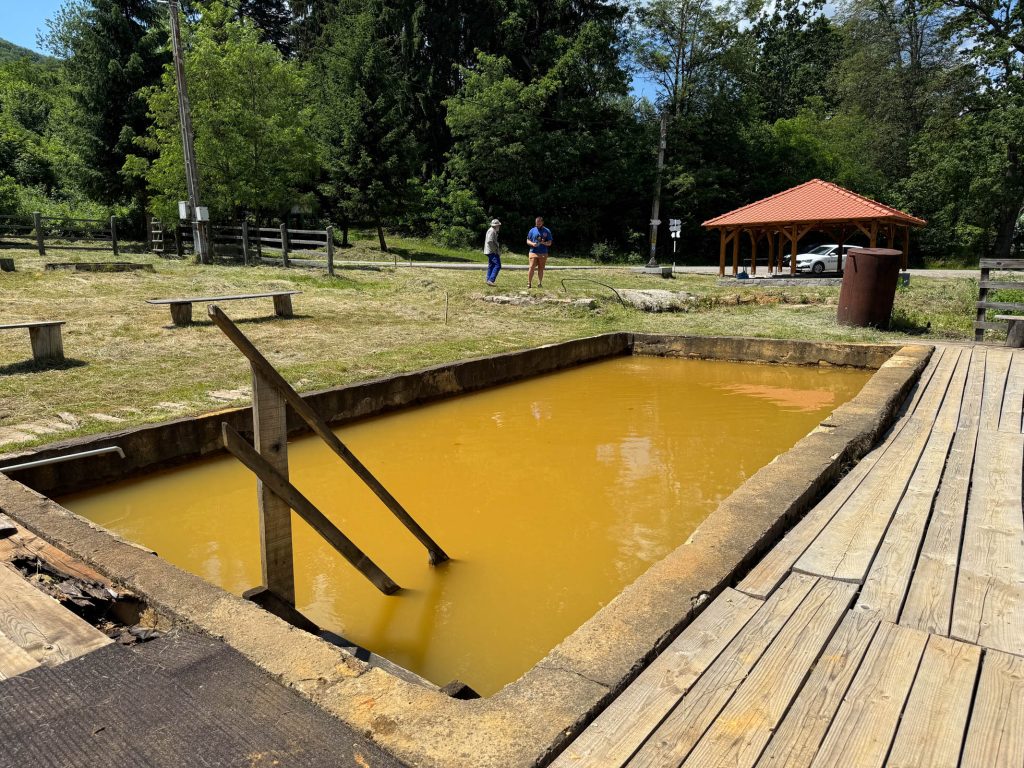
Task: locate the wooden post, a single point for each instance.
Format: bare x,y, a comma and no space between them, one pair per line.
113,235
283,305
37,223
181,313
792,261
330,251
753,252
179,247
46,342
149,231
904,260
245,242
771,253
873,241
721,253
736,253
284,243
270,432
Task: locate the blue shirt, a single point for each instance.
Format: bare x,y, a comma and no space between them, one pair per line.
537,235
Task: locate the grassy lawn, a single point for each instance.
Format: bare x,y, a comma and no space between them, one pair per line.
127,364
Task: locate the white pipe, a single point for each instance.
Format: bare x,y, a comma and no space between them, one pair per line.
67,457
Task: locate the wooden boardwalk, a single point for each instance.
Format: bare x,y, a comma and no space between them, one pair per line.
887,627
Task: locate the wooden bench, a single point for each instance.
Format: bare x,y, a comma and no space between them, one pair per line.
1015,333
47,344
181,309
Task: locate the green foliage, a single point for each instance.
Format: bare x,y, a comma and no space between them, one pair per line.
11,52
249,120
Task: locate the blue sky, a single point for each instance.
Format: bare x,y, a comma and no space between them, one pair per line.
22,20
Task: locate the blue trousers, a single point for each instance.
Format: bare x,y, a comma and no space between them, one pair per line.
493,267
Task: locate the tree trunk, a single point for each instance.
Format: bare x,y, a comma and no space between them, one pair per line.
380,236
344,234
1013,203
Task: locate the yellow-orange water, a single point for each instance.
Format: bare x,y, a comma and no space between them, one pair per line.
550,494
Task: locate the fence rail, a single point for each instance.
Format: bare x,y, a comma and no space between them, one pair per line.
52,232
231,241
986,284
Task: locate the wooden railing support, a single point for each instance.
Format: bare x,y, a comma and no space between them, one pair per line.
245,242
113,235
37,223
263,367
276,483
284,243
330,251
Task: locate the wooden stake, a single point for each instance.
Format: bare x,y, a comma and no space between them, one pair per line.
270,431
284,243
37,224
245,242
330,251
286,493
113,235
322,429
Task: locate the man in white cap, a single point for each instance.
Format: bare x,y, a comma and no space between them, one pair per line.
493,251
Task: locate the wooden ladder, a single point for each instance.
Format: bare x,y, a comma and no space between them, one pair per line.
981,323
268,460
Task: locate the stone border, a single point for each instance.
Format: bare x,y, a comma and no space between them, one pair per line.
532,718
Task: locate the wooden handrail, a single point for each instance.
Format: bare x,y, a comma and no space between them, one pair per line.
322,429
305,509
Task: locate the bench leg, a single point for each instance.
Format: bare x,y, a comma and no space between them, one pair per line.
1015,334
181,313
47,344
283,306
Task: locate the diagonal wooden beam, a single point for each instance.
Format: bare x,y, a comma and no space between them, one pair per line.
322,429
305,509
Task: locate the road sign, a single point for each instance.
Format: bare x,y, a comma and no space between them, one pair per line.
655,222
675,225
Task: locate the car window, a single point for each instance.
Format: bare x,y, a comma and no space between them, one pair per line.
820,250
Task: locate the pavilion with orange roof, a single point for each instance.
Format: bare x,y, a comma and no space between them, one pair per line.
813,205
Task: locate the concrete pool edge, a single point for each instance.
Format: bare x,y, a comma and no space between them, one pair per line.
534,716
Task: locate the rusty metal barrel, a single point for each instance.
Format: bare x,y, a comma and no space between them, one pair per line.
869,287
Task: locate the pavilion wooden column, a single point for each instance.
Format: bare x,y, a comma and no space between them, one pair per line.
842,244
771,252
906,247
755,235
721,252
792,261
873,242
736,253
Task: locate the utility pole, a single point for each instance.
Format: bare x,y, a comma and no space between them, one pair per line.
200,232
655,221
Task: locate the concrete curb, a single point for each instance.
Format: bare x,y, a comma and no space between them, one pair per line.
531,719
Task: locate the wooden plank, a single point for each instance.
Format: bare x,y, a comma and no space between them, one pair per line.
929,603
864,726
620,730
1013,397
13,659
845,548
1005,305
684,726
935,720
773,567
25,544
889,576
34,324
989,326
797,739
948,416
970,409
741,731
922,381
988,608
995,736
1001,285
934,395
40,625
1007,264
7,526
201,299
997,366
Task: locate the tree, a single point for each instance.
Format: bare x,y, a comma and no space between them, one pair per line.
111,51
274,21
253,146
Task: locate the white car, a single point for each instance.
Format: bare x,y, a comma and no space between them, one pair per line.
824,258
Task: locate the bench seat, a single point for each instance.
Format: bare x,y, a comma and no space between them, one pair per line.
181,308
1015,333
45,335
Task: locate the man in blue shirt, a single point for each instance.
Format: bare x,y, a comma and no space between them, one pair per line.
539,240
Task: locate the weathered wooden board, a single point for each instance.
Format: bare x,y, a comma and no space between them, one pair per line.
797,739
39,625
932,397
995,736
997,366
13,659
27,545
988,608
864,726
948,416
970,410
1013,397
7,526
889,576
740,733
935,720
684,726
620,730
929,603
845,548
773,567
922,382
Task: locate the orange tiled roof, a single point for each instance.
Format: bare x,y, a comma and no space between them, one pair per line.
812,201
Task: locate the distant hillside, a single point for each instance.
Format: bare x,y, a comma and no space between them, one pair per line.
10,51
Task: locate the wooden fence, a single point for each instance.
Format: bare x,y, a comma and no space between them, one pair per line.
986,284
248,243
59,233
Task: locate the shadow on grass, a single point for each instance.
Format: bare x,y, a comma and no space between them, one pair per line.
37,366
240,321
409,254
902,323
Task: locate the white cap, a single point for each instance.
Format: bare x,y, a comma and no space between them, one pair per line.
495,223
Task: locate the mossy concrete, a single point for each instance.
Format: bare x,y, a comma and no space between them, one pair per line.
532,718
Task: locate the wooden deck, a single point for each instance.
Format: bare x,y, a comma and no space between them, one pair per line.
887,627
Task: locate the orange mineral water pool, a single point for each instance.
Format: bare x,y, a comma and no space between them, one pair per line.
550,494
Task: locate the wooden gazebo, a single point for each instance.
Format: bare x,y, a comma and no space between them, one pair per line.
814,205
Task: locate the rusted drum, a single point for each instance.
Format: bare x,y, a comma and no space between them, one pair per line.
869,287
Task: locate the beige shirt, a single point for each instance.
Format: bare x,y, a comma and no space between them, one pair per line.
491,242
